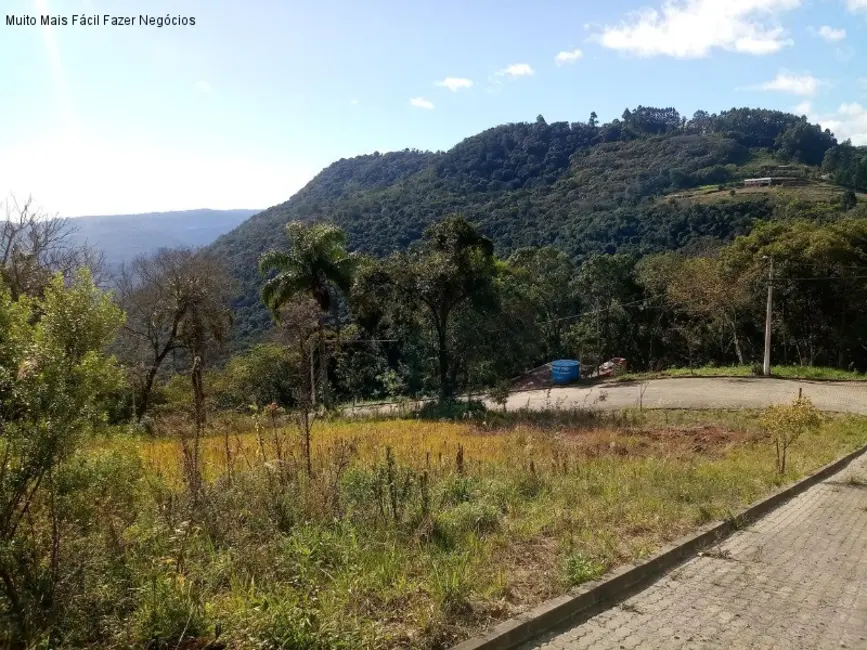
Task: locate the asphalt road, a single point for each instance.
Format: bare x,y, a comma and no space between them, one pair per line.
690,393
700,393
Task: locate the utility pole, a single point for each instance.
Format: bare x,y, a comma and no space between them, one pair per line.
598,341
766,367
323,373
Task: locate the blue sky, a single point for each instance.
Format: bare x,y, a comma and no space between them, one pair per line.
243,108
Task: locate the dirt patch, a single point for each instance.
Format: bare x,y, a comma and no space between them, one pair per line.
538,378
533,573
707,440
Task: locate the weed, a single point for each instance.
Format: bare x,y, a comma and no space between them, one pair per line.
629,607
470,517
169,611
452,584
717,553
580,569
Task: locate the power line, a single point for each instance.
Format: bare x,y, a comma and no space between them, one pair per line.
602,310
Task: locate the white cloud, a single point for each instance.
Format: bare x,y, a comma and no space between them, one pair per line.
353,101
849,121
516,70
693,28
455,83
565,56
804,108
856,5
202,86
805,85
831,34
421,102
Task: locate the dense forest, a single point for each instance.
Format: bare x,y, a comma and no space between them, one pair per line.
583,187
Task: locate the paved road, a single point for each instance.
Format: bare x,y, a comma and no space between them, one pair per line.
692,393
795,580
697,393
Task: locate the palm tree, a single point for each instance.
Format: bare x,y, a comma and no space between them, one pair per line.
315,262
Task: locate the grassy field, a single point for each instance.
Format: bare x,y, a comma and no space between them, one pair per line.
785,372
409,534
812,192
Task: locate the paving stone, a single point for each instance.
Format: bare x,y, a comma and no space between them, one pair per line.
795,580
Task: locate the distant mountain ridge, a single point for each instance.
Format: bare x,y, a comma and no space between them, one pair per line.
122,237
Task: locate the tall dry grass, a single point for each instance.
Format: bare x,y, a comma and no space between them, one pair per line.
409,533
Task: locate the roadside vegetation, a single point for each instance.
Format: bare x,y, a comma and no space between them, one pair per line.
815,373
408,533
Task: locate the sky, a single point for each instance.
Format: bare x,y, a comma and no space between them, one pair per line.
243,108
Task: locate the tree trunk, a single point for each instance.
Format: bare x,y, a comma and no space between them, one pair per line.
147,387
443,358
737,343
145,392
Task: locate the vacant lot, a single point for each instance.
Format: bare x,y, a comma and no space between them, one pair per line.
409,533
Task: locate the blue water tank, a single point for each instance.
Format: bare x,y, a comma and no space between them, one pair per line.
565,371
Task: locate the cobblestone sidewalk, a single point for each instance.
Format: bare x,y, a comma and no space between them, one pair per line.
796,579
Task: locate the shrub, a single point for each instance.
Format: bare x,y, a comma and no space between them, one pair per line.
452,410
786,423
455,490
500,394
286,623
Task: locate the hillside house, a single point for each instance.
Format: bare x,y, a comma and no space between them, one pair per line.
758,182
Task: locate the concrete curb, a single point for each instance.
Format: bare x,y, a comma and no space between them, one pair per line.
620,581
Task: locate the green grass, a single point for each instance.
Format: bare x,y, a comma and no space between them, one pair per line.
786,372
393,542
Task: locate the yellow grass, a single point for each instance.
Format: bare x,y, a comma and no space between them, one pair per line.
410,440
535,511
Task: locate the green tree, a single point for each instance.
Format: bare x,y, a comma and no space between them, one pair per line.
266,373
53,378
706,288
608,290
805,142
174,300
452,269
542,278
315,265
819,289
315,262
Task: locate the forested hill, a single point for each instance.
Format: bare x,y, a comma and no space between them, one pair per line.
583,187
